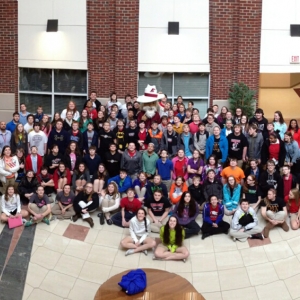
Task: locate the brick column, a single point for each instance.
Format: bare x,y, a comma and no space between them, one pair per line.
235,31
9,47
112,28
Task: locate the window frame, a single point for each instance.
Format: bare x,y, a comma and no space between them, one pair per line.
52,93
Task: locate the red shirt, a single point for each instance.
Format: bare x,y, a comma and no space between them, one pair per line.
142,136
214,211
179,168
274,150
194,127
287,185
131,206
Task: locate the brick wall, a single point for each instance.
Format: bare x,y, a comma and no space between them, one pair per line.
113,46
235,31
9,47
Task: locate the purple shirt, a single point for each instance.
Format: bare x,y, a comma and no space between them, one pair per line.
195,165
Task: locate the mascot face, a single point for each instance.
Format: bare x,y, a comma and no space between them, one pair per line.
150,109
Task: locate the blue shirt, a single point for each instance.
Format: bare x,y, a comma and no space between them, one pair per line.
34,163
164,168
186,139
23,119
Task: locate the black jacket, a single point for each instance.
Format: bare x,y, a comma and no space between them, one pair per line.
197,193
212,188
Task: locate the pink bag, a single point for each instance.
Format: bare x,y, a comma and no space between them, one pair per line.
15,222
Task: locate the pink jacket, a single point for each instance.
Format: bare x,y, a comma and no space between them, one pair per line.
174,160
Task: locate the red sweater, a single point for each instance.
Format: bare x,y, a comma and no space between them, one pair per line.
28,163
274,150
56,177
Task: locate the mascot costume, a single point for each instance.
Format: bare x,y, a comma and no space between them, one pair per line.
149,106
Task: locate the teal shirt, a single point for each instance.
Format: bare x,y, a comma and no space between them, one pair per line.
85,124
187,151
149,162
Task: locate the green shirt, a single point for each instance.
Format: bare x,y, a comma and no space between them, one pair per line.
172,247
149,162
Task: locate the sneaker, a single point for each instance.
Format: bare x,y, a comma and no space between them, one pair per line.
184,260
90,221
257,236
53,218
24,221
145,252
129,251
28,223
109,221
101,217
285,226
154,257
74,218
205,235
46,220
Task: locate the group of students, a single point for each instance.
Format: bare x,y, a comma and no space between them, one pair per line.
152,176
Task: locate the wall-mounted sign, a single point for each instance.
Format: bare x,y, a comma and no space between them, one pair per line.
295,59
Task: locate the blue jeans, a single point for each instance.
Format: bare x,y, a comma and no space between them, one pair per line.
117,218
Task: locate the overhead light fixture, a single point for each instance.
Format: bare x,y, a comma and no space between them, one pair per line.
52,25
173,28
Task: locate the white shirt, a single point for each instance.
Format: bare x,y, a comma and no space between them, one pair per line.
11,204
28,127
38,139
63,115
137,228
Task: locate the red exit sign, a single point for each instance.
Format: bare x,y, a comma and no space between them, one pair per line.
295,59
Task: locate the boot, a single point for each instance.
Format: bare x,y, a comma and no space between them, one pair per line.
75,217
90,221
284,226
267,229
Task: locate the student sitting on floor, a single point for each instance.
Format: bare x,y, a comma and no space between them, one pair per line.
213,214
274,211
63,209
39,208
186,211
139,228
244,223
171,242
84,203
129,207
158,210
11,205
109,203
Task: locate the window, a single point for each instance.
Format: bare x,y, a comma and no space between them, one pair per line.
191,86
52,89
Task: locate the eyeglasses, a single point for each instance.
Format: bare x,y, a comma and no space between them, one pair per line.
89,187
249,179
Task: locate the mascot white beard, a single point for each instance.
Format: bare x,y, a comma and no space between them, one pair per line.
149,111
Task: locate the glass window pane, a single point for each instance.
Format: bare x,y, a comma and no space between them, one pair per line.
61,102
191,84
201,104
32,101
70,81
162,81
35,80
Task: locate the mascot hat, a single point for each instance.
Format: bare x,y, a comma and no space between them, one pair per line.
150,95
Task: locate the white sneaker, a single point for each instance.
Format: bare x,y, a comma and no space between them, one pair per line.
184,260
129,251
145,252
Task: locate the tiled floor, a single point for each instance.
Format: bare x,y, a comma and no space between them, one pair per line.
64,266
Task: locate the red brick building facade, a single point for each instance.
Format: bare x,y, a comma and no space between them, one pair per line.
112,32
234,45
113,28
9,47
